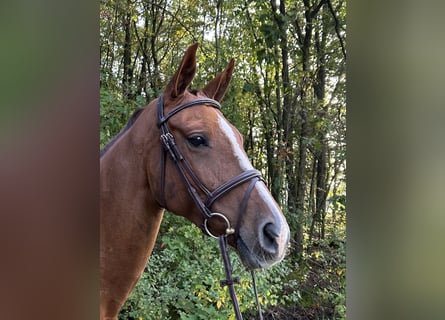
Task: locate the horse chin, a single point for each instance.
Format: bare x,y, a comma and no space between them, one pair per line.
255,258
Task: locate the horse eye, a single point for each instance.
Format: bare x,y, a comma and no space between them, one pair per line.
197,141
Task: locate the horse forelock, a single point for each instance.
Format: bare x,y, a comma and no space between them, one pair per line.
194,91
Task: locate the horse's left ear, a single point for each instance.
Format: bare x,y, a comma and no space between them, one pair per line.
216,89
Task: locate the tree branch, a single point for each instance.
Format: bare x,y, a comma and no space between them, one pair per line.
314,12
337,27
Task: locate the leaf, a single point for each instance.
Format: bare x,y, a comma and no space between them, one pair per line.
248,87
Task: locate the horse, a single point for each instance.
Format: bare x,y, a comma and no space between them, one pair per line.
181,154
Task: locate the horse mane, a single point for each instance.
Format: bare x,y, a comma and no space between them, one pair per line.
129,124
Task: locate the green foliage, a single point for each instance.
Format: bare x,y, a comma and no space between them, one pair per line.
181,280
324,280
114,114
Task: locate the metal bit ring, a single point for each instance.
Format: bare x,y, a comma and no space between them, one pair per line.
229,229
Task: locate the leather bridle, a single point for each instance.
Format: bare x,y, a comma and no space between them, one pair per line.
189,178
191,182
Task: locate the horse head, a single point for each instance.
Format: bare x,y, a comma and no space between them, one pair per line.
212,148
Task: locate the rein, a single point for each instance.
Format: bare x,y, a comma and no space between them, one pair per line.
186,173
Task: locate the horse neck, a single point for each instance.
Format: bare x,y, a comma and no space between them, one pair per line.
123,169
129,215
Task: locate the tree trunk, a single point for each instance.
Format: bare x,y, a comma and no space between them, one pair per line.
322,151
127,76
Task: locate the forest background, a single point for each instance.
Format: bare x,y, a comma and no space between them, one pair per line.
288,100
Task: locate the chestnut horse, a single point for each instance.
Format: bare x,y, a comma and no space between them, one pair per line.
139,177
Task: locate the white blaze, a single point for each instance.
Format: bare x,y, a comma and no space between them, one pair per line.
237,151
260,187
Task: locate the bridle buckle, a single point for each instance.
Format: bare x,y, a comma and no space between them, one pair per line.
165,139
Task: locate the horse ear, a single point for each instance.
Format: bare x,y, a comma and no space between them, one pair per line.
216,89
184,75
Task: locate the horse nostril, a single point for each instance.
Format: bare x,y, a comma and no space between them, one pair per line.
270,235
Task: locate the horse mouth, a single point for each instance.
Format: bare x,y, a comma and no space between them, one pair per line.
255,258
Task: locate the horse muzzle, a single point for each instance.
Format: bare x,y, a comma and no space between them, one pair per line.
265,249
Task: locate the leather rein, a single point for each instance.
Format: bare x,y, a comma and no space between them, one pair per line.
191,182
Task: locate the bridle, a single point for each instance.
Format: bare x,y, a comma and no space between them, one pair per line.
188,176
191,182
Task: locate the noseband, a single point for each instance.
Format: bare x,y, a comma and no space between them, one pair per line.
186,173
